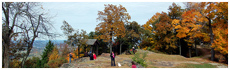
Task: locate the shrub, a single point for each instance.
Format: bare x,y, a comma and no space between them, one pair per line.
15,64
56,63
31,62
140,60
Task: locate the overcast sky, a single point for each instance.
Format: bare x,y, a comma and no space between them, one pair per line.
82,15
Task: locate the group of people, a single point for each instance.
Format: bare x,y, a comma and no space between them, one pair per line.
94,57
91,55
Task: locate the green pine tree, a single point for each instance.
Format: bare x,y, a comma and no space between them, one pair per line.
46,52
38,63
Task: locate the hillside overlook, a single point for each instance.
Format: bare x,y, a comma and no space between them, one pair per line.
154,60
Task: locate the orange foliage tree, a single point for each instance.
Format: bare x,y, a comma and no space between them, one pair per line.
189,28
113,19
76,52
216,14
148,40
163,38
55,54
220,28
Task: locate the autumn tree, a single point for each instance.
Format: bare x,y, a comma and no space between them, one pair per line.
189,28
55,60
161,33
113,18
175,12
75,37
131,36
133,33
64,49
220,28
164,37
26,20
149,31
210,11
54,54
80,39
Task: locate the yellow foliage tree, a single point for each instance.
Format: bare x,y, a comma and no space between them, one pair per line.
189,27
216,14
220,28
76,52
113,19
54,55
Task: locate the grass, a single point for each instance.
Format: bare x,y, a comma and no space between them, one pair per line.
165,57
204,65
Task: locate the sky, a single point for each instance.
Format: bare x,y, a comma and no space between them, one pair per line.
82,15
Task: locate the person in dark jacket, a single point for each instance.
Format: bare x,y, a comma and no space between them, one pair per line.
70,56
91,56
134,50
112,55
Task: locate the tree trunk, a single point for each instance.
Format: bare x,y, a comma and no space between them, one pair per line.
111,47
6,56
120,48
27,54
111,40
180,46
211,38
6,36
6,45
189,52
196,48
97,51
78,52
3,52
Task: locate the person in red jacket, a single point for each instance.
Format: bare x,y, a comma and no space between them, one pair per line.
94,56
133,65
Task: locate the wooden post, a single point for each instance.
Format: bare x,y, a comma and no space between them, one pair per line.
97,51
91,48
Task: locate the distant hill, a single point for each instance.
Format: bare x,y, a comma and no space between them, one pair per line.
42,43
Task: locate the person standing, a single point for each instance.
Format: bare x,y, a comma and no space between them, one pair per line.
70,56
94,56
112,59
133,50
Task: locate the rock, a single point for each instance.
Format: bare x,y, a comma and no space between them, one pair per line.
105,55
164,63
84,59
